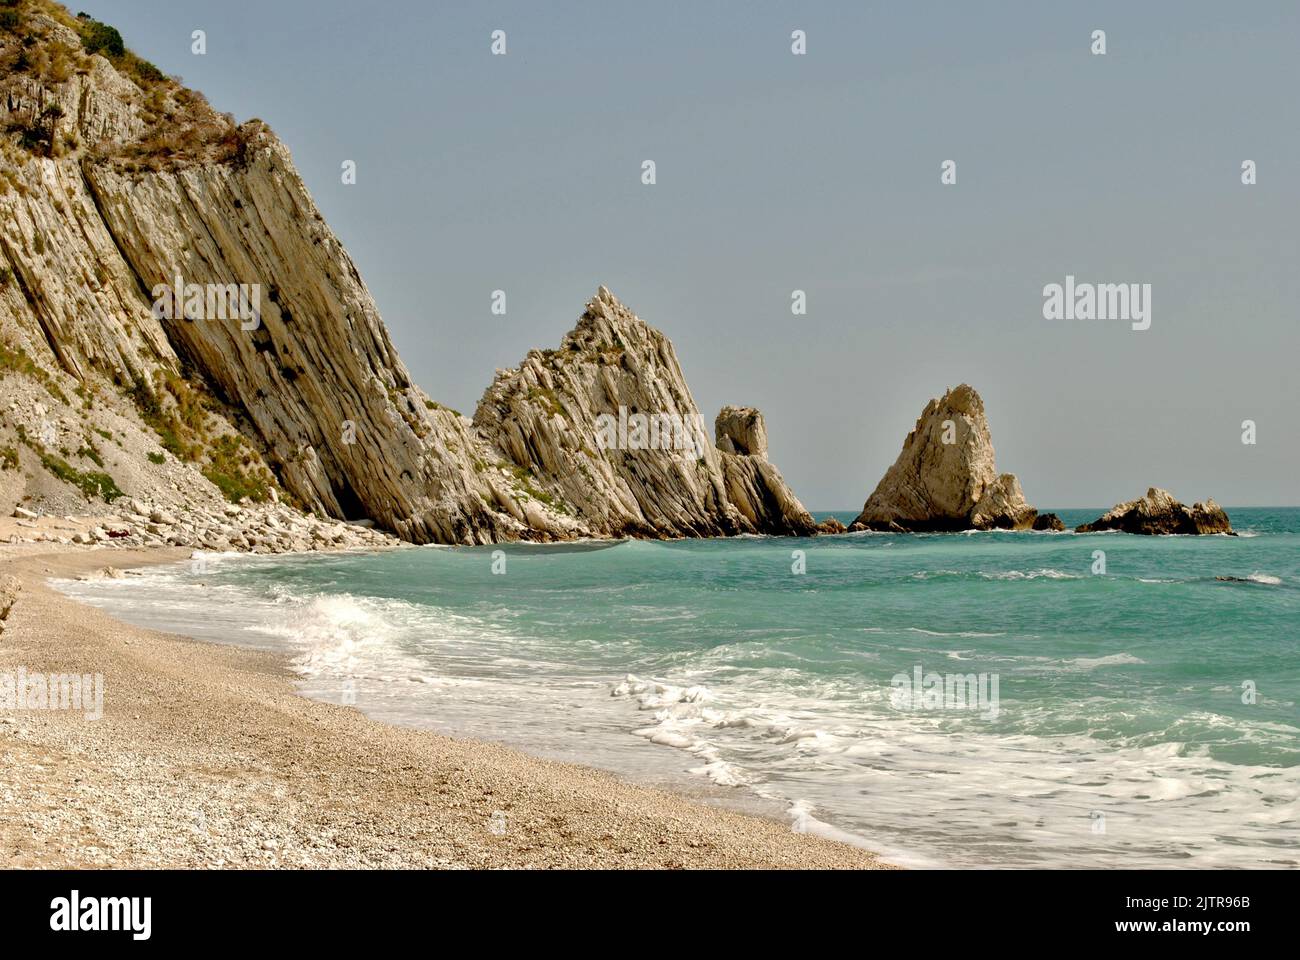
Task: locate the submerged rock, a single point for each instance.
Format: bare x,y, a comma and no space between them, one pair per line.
946,478
1159,513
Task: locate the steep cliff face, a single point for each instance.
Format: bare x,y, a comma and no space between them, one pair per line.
172,265
946,477
66,293
334,407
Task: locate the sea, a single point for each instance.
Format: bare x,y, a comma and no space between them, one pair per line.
959,700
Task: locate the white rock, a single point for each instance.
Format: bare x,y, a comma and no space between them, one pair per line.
945,478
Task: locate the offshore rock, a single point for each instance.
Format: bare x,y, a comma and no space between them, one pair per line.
1159,513
946,478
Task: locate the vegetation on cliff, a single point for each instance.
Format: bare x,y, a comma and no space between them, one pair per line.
41,63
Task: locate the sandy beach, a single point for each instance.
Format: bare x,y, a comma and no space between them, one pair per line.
205,757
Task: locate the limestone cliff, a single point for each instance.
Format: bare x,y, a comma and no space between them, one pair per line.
121,191
946,478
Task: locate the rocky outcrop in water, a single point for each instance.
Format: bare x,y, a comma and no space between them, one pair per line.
1049,522
1159,513
946,478
122,193
605,430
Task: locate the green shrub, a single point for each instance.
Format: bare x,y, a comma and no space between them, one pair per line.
232,469
8,458
231,464
91,454
99,37
9,20
182,435
90,484
143,71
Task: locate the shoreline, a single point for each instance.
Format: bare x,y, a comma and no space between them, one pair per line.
208,757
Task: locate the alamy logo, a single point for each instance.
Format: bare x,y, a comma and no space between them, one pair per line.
1098,301
53,691
945,691
209,301
655,431
133,914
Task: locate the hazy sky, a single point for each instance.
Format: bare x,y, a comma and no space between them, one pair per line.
822,173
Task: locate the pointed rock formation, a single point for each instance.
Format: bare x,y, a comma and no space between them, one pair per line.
1159,513
946,478
754,485
605,432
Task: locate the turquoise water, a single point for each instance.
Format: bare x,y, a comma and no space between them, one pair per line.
1144,716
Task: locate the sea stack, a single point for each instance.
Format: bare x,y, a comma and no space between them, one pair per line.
605,440
753,484
1159,513
946,477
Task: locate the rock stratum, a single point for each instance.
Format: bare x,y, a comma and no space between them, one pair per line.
946,476
118,184
1158,513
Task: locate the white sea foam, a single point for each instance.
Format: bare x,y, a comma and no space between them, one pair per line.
1044,574
1265,578
332,633
652,694
1113,660
932,574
